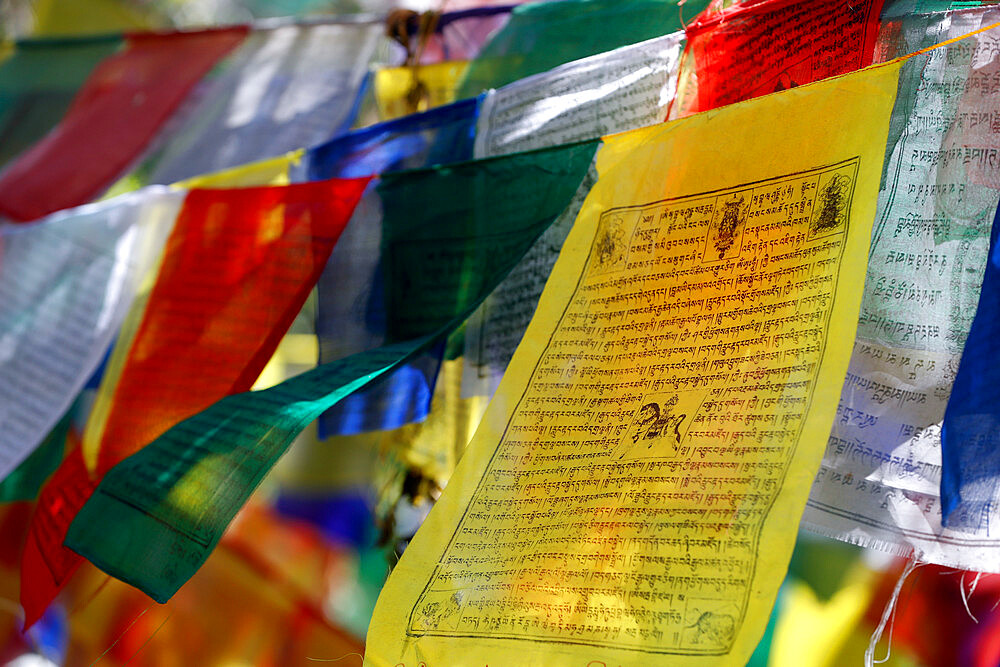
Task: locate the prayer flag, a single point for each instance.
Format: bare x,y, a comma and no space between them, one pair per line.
879,484
765,46
26,480
124,102
66,283
37,85
970,434
624,89
400,91
236,270
159,513
542,35
351,313
633,491
440,135
283,89
46,565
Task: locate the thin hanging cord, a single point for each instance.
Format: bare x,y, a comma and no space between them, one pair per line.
158,628
343,657
115,642
972,589
80,606
889,613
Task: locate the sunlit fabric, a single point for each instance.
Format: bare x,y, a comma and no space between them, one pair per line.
755,48
66,283
879,484
671,386
26,480
119,109
542,35
284,89
46,565
400,91
351,311
970,434
236,270
436,136
160,512
611,92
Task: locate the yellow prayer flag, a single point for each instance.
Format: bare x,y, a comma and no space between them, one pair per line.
400,91
273,171
81,17
633,493
813,632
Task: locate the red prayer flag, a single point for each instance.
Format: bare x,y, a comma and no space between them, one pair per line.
755,48
113,117
236,270
46,564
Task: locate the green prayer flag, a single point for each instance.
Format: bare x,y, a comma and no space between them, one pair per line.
543,35
450,233
157,515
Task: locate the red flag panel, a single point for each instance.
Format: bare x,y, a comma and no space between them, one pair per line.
236,270
113,117
755,48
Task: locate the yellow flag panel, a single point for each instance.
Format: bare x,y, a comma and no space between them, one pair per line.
633,493
404,90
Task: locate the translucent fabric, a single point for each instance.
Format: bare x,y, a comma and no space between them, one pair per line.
970,433
26,480
879,484
37,85
235,272
158,514
111,120
351,310
611,92
284,89
542,35
755,48
66,284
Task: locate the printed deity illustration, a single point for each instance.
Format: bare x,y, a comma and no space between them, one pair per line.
441,614
656,422
712,629
833,204
785,82
611,242
732,218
